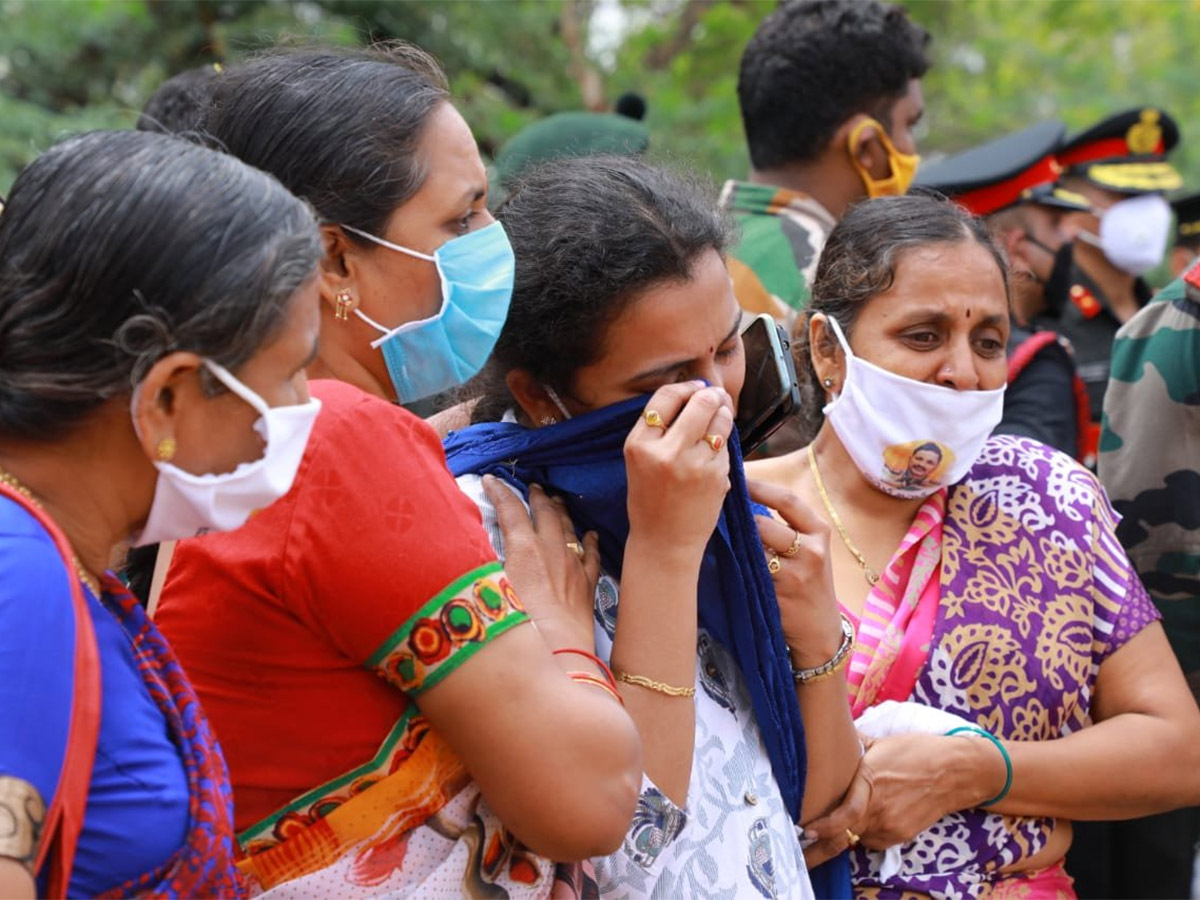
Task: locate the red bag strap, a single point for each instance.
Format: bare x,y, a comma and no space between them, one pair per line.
1089,434
1027,350
64,818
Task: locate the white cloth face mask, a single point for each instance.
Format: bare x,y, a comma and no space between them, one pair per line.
1133,233
909,438
187,505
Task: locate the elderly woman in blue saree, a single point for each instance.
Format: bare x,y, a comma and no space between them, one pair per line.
157,301
613,388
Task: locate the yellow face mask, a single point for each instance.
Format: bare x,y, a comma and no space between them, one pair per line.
903,165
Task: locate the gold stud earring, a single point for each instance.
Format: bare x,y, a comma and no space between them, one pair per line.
828,382
165,450
344,300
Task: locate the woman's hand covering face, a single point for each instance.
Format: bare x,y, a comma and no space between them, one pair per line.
679,471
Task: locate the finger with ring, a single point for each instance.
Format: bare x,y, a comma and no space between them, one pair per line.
576,548
852,838
654,419
715,441
794,548
773,564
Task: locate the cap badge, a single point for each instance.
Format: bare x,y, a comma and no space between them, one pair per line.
1145,137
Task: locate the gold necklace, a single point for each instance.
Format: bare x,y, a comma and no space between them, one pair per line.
11,480
868,572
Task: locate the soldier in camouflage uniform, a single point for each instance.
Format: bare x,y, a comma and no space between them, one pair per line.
1150,456
1150,466
822,132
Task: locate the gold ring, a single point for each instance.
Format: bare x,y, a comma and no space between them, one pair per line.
773,564
654,419
715,441
576,548
795,548
852,838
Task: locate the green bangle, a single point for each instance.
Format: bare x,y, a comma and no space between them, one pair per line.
999,746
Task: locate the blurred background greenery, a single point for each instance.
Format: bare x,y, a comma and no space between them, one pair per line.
72,65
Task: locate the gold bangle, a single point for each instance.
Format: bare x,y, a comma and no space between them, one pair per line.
657,686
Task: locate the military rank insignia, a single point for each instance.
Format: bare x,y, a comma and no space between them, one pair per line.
1085,301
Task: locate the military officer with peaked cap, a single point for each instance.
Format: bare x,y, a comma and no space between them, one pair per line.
1010,182
1120,165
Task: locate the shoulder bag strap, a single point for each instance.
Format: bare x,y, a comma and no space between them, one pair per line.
64,818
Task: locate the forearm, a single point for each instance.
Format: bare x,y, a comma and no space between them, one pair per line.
558,760
1128,766
656,638
831,742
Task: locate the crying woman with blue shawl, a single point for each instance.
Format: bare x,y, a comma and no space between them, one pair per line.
613,388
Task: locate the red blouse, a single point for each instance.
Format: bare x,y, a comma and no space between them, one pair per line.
306,631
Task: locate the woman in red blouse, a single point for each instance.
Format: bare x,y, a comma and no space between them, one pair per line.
391,721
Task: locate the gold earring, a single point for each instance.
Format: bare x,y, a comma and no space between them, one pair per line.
165,450
828,382
344,300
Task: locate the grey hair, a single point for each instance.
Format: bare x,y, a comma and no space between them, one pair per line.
117,248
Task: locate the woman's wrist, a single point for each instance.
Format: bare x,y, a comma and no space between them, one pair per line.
559,635
818,644
666,557
982,772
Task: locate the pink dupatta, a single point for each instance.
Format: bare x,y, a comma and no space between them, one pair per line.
896,628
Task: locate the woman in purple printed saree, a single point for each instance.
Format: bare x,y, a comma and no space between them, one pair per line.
1002,596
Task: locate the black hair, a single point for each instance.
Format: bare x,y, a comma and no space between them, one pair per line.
812,64
929,445
591,236
117,248
340,128
178,105
859,262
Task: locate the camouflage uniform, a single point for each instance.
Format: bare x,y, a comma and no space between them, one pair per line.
782,234
1150,456
1150,466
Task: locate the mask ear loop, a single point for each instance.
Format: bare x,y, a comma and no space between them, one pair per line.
237,387
885,140
388,332
556,400
841,338
382,243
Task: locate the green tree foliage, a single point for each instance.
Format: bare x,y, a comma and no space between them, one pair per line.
70,65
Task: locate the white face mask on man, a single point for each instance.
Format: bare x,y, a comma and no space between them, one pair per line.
187,505
1133,233
908,438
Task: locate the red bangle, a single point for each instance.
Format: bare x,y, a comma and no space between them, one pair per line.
594,658
588,678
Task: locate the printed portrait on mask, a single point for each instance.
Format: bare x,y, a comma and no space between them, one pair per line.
916,466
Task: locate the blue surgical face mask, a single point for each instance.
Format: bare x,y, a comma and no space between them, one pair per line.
432,355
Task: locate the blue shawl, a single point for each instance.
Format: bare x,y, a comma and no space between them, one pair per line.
582,460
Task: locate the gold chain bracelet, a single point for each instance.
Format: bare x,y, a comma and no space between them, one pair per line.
660,687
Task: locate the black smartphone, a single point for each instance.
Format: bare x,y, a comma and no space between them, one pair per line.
769,393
